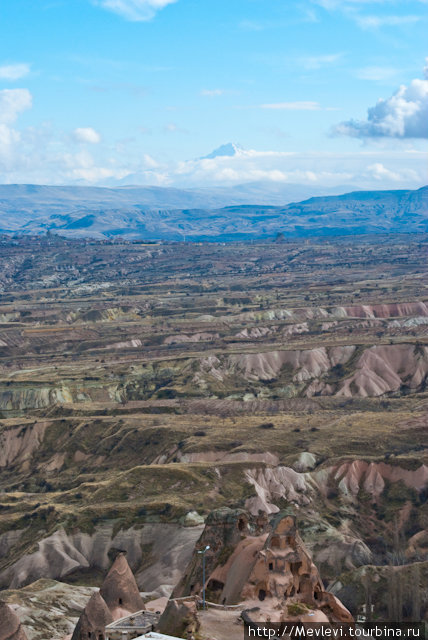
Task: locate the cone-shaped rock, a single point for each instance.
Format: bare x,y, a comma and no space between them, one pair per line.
120,590
10,626
93,620
180,619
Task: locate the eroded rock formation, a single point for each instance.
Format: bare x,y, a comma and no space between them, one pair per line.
93,620
262,565
223,530
120,590
118,597
285,581
10,626
180,619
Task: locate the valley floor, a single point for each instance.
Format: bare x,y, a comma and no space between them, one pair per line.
142,386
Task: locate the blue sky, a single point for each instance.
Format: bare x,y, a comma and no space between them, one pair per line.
118,91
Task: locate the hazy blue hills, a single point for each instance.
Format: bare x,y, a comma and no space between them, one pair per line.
174,214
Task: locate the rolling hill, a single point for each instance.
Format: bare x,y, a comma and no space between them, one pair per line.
170,214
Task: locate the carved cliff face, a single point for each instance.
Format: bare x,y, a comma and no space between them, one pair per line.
224,529
286,582
261,564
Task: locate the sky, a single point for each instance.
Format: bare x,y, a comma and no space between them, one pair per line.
116,92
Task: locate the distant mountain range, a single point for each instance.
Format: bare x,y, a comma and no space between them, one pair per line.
174,214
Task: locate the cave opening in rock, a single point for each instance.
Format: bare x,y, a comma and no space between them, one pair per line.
295,566
215,585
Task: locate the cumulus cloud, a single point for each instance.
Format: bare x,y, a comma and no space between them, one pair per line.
8,136
134,10
12,103
86,135
379,172
43,155
14,71
403,115
81,167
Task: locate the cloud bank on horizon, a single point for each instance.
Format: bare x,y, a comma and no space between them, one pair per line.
161,82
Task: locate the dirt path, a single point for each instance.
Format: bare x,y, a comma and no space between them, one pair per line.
217,624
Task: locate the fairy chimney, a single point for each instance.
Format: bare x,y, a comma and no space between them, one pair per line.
10,626
120,590
93,621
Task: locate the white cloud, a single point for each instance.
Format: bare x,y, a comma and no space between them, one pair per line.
379,172
376,74
340,4
367,169
82,167
43,155
8,137
375,22
251,25
171,127
352,9
331,5
149,162
86,135
403,115
12,103
312,63
305,105
134,10
14,71
210,93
